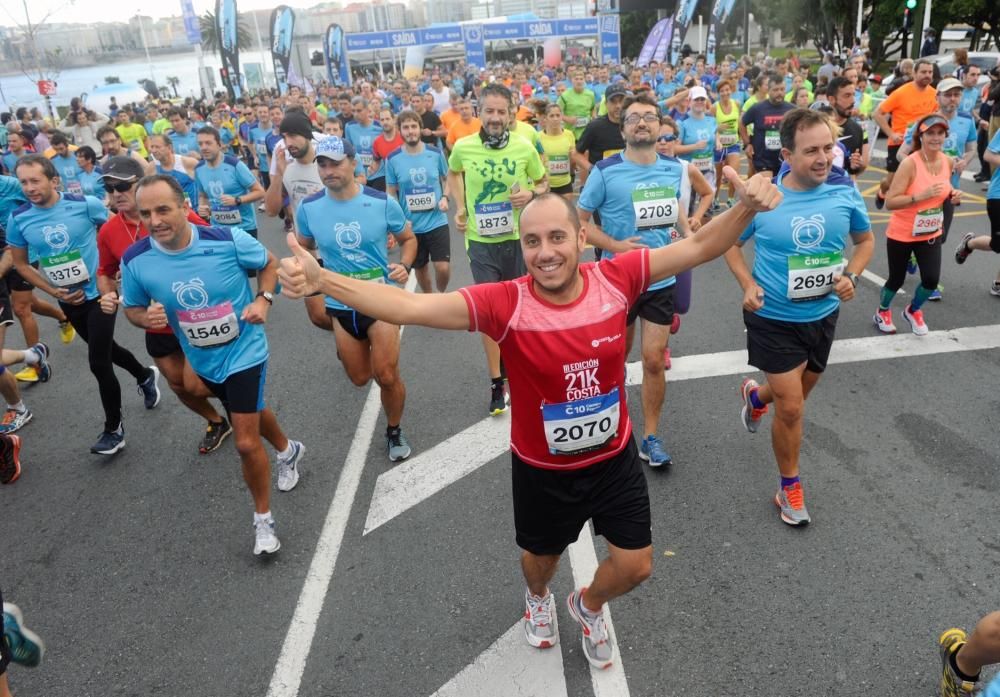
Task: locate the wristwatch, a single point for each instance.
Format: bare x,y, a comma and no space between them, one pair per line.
854,278
239,200
267,295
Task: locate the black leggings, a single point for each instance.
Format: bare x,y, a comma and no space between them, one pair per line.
993,211
97,328
948,210
928,254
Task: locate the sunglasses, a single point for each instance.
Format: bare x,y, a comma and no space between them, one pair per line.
666,139
120,187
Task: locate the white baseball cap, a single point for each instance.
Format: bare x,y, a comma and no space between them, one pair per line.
697,92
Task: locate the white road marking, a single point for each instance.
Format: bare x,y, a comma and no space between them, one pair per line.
287,677
405,486
583,558
510,667
878,280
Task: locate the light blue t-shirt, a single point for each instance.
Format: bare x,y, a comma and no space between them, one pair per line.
665,90
258,140
69,172
92,183
9,160
351,235
363,140
233,178
970,97
418,179
11,196
961,132
693,130
64,230
622,190
198,286
186,144
805,232
994,147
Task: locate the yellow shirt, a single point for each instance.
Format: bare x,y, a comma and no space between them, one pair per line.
557,151
134,136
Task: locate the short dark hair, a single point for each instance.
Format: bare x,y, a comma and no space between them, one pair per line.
48,169
836,84
800,119
105,130
773,79
497,90
574,217
167,179
210,131
178,111
638,99
58,139
87,153
408,115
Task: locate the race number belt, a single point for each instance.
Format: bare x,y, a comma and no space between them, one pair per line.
374,275
210,326
65,270
559,164
810,276
226,215
494,219
772,140
581,425
419,198
655,208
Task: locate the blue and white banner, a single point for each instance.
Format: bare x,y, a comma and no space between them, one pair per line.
610,38
652,41
282,28
338,67
720,13
660,52
682,21
455,33
475,51
192,28
226,23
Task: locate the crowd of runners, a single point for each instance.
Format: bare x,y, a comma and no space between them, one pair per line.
154,210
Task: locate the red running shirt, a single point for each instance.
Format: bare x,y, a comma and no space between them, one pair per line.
117,235
563,360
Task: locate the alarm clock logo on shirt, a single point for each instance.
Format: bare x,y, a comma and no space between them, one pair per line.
348,234
191,295
56,236
808,232
419,176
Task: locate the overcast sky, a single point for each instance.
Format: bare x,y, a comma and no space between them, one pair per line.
89,11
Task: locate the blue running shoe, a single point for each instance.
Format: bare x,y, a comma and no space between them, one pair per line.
43,367
652,451
150,388
935,295
911,265
26,647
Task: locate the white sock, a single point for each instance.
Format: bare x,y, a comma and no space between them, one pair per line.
287,452
257,517
17,407
587,611
31,357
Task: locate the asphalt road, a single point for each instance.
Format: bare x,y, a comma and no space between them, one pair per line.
138,571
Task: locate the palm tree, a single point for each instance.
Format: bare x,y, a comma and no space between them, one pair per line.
210,37
173,82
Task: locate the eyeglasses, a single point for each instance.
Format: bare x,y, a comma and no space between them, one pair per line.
666,139
120,187
633,119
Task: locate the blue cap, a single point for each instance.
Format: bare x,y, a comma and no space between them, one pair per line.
334,148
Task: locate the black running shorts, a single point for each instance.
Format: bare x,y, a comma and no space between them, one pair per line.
495,261
241,392
552,506
656,306
354,323
434,245
778,347
162,345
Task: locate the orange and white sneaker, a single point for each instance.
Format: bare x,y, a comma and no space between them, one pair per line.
883,321
749,414
915,318
792,505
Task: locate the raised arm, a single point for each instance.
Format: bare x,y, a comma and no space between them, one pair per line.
301,275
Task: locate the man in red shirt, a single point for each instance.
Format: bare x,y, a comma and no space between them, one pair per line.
389,141
562,332
121,174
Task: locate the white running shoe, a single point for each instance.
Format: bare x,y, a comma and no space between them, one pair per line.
541,626
288,469
266,542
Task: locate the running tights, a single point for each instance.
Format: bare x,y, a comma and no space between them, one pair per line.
98,329
928,255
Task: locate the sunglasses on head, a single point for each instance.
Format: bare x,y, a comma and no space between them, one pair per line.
121,187
666,139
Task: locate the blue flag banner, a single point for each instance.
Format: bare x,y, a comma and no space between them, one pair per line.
226,22
652,41
282,28
192,29
338,67
475,51
610,38
682,21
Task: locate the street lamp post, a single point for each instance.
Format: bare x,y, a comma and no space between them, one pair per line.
145,46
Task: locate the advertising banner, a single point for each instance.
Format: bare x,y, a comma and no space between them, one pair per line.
652,41
226,23
475,51
282,28
338,67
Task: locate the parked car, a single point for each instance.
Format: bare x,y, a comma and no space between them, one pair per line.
986,60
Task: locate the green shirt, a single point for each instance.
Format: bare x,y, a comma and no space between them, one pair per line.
160,125
578,104
134,136
489,175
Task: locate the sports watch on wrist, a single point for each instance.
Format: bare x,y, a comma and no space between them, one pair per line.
854,278
267,295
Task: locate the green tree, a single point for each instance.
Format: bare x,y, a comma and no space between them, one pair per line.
634,28
210,36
